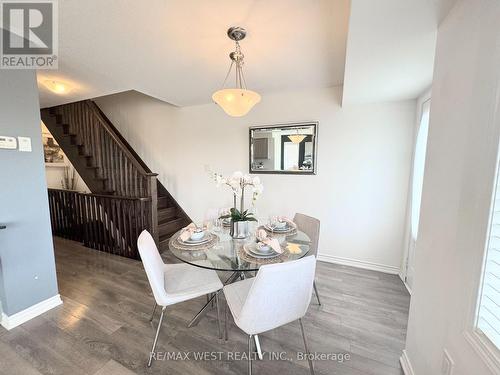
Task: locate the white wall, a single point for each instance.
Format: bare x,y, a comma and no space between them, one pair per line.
364,157
460,167
27,266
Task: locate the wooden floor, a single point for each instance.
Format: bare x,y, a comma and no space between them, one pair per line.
102,327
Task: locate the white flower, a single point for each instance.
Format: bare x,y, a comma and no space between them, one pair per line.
247,179
237,175
235,184
258,189
238,181
218,180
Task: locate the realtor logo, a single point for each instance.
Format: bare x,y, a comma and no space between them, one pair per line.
29,37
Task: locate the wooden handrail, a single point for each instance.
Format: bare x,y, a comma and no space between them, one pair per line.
118,134
143,199
125,174
104,222
112,132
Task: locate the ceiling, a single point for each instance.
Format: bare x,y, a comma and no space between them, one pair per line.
390,49
177,51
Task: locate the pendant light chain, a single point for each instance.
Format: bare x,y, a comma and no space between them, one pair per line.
237,61
227,75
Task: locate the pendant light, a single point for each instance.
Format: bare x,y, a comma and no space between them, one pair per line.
297,138
236,101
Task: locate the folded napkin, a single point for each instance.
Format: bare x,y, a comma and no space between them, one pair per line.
269,241
294,248
187,232
288,221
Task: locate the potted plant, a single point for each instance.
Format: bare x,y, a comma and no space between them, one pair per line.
240,217
239,222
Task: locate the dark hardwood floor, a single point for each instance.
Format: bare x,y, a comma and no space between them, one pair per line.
103,326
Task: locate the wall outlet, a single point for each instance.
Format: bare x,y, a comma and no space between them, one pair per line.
448,364
24,144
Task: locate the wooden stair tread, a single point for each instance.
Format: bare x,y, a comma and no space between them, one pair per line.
167,213
163,202
175,222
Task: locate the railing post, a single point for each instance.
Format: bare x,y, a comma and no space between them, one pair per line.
153,193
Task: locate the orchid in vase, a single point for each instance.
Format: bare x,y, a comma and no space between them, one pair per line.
238,182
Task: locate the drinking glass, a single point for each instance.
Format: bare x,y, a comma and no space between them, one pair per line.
273,221
217,223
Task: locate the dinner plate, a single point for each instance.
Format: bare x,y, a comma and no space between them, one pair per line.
287,228
207,237
252,251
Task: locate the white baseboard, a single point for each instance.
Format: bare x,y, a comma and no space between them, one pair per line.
406,364
9,322
404,282
359,264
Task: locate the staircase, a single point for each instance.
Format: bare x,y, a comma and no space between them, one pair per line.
111,168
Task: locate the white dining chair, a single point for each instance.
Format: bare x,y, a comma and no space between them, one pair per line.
278,295
310,226
174,283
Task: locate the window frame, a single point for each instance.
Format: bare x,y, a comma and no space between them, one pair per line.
483,346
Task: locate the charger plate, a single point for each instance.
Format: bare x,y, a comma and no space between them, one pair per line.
251,249
283,257
289,232
177,244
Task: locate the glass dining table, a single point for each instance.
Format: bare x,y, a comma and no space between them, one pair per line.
228,254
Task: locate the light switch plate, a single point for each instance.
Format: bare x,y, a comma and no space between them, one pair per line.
24,144
8,143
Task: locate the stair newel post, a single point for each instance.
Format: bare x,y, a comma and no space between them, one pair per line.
153,194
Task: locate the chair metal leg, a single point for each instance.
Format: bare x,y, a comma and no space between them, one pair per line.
202,312
311,368
153,313
156,336
316,292
250,354
257,347
226,318
218,315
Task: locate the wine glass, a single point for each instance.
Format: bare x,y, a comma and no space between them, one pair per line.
217,225
272,222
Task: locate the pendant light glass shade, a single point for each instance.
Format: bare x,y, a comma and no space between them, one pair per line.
296,138
236,102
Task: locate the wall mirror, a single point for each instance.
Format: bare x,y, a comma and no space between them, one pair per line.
286,149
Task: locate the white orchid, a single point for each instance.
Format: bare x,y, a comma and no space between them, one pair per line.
258,188
237,182
218,180
237,175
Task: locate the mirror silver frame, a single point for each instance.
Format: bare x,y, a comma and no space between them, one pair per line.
314,124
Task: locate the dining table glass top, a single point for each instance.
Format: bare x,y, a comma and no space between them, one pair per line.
228,254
